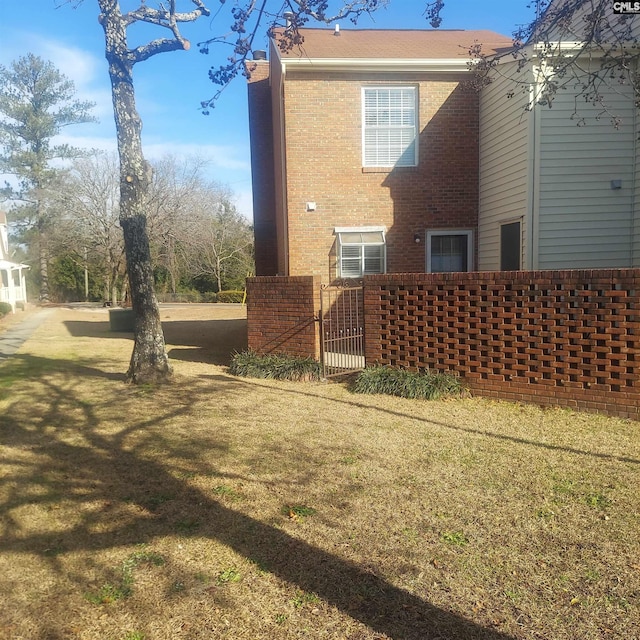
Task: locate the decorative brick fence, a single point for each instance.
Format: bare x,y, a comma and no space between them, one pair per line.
569,338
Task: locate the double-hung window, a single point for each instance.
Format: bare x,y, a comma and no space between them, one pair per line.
389,127
361,251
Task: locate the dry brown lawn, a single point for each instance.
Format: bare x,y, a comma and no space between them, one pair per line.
220,507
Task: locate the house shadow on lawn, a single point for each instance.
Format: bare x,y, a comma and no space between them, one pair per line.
208,341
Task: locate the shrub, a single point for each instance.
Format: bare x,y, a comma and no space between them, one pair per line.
186,295
427,385
249,364
230,296
5,308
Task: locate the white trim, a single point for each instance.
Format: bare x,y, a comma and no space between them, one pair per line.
449,232
338,230
444,65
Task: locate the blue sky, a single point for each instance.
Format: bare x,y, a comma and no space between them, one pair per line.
169,87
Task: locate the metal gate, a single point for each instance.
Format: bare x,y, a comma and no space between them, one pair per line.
341,329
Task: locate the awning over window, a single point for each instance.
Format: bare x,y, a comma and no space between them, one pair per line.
361,235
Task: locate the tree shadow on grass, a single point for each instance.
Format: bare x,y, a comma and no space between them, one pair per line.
478,432
87,463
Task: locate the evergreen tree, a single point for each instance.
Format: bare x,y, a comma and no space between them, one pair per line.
36,102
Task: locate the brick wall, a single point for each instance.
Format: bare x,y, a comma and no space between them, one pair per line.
567,338
281,315
324,165
262,153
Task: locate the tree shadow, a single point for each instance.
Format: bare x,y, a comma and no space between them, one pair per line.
29,366
446,425
76,457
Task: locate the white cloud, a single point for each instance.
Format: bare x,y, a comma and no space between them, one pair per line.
216,156
227,164
87,71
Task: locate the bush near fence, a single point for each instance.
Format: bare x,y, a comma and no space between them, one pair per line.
567,338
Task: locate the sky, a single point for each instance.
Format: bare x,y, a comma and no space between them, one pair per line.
169,87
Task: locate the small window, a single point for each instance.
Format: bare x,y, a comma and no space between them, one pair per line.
510,246
389,128
361,251
449,251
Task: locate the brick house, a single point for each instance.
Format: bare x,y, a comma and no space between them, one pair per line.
365,153
371,157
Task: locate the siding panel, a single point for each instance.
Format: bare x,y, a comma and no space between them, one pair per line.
583,222
504,131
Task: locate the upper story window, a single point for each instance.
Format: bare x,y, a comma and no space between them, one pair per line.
389,127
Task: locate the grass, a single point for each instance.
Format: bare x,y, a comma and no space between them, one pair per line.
224,507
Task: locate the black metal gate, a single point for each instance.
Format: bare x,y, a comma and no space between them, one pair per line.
342,328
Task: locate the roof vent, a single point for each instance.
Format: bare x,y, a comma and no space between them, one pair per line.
336,31
259,54
289,16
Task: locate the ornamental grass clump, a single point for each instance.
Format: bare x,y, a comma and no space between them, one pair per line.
425,385
249,364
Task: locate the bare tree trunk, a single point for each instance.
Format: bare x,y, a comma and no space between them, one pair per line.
44,268
149,361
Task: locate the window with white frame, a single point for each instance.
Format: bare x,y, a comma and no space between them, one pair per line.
449,250
389,127
361,251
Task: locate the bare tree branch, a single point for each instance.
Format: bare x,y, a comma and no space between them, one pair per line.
252,18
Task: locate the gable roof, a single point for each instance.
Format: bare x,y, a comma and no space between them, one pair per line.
395,43
413,48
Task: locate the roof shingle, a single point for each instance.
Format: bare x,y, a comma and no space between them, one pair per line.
411,44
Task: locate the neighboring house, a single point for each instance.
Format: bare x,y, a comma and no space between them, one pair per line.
559,186
365,152
12,277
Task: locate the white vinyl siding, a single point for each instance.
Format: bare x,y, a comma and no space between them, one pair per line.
504,166
583,222
389,127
